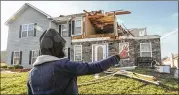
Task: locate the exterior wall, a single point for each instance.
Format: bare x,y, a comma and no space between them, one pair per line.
25,44
113,48
139,31
3,56
89,29
176,63
54,26
156,49
167,63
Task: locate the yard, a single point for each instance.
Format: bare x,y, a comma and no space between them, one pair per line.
16,84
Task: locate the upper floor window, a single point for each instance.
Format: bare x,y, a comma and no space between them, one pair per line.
64,30
77,27
28,30
145,50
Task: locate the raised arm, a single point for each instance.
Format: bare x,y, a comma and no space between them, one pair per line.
80,68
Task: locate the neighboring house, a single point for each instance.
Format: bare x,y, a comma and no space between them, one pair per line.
175,63
3,56
171,60
90,36
139,31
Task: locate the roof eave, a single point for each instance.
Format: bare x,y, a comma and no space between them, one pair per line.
7,23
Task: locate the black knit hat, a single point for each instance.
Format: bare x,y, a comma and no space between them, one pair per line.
51,43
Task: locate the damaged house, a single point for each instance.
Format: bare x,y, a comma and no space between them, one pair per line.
90,36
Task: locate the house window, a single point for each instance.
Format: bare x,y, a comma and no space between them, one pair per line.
121,45
78,25
77,52
16,58
27,30
64,30
35,54
145,50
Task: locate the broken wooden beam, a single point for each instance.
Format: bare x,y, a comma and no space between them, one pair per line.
142,77
119,13
96,16
87,12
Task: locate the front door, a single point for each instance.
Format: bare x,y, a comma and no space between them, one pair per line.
99,52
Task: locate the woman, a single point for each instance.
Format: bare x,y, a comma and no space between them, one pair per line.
54,74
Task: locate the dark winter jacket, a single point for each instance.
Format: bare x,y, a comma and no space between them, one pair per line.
54,74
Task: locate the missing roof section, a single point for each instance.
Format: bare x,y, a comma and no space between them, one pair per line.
104,22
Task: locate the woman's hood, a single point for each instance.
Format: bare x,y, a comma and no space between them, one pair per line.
45,58
51,43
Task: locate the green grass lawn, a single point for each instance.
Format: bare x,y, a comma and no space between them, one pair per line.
16,84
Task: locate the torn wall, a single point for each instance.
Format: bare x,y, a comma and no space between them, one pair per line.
100,23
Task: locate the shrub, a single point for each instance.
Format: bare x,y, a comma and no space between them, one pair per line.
15,67
5,66
25,70
10,67
18,67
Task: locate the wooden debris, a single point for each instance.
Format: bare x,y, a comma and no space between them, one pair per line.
142,77
117,13
101,21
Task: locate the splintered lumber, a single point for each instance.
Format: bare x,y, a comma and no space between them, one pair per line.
142,77
77,37
96,16
101,22
119,13
87,12
101,35
92,13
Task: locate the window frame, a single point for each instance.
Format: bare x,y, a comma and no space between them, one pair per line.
75,52
64,31
81,19
141,33
33,56
127,50
146,51
27,29
16,57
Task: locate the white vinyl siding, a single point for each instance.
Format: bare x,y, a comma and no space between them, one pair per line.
145,50
121,45
64,30
16,57
35,54
27,30
66,51
77,52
